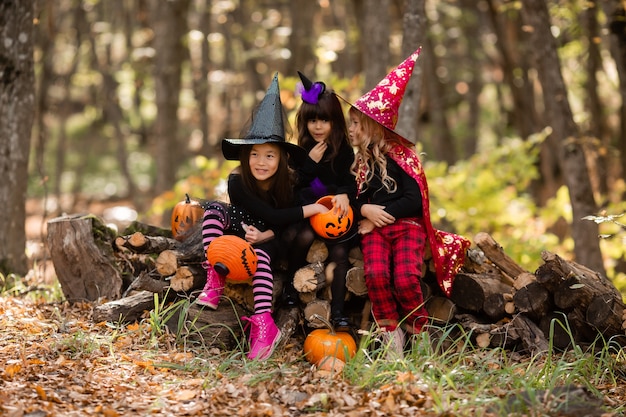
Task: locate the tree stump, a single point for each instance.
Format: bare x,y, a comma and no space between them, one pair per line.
82,253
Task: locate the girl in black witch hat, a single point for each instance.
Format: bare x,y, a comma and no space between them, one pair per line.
261,205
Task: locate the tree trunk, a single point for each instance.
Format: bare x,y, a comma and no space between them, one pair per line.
413,30
618,28
169,22
302,38
17,104
81,249
375,41
565,134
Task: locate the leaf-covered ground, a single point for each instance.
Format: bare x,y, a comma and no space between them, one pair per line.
55,361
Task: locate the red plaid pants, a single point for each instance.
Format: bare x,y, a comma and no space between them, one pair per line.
393,256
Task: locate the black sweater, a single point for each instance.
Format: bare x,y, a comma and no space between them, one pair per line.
405,201
335,176
272,217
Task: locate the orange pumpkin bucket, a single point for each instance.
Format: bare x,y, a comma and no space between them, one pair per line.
232,257
331,225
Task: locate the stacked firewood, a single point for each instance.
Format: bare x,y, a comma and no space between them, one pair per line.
495,300
504,305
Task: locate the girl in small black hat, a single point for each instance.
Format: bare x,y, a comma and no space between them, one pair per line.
322,132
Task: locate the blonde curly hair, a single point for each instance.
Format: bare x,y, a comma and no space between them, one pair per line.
376,141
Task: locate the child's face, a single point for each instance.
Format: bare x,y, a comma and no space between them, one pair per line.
355,130
319,129
264,160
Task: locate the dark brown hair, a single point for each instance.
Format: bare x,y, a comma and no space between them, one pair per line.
328,108
280,193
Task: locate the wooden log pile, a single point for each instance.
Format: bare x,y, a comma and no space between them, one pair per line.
505,306
495,300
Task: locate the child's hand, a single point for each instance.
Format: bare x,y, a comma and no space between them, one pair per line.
320,208
317,152
365,226
341,204
251,232
377,215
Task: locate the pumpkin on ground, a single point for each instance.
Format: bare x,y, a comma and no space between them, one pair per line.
232,257
331,225
321,344
184,215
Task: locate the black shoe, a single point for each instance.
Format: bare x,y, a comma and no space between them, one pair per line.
290,296
342,324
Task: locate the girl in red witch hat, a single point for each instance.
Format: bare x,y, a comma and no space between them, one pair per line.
392,198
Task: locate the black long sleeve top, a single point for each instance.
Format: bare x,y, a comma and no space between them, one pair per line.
334,175
405,201
268,215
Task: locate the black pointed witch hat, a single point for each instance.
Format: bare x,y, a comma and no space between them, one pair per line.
267,126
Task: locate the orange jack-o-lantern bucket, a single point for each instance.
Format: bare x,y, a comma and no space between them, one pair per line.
184,215
232,257
331,225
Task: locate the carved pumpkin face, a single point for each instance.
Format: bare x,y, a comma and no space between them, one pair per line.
185,214
235,256
330,225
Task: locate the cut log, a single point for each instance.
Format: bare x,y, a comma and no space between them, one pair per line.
534,300
287,321
496,254
219,328
355,281
605,314
523,280
555,326
309,278
576,286
329,273
531,336
319,307
355,256
167,263
140,243
483,340
318,252
239,294
440,309
495,307
188,278
124,310
307,297
147,230
147,282
81,249
470,291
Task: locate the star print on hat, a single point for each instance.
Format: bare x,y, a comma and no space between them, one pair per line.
383,101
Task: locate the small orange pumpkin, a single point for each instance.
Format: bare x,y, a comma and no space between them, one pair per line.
232,257
330,225
184,215
324,343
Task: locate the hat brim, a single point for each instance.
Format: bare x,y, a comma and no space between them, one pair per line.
402,138
232,147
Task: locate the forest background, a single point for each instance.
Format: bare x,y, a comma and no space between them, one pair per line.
517,108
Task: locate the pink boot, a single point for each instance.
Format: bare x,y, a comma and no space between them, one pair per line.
264,336
213,289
